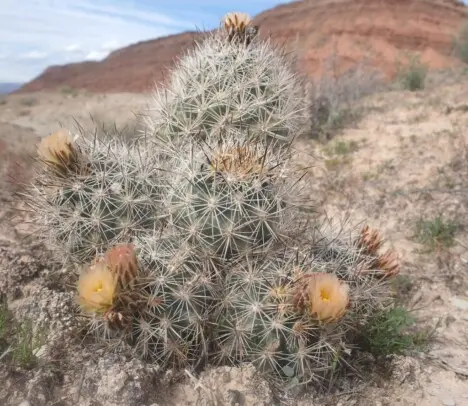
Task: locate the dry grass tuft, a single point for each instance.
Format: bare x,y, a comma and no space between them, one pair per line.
334,97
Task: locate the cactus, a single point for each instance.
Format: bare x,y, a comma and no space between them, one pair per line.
156,295
107,292
232,197
345,246
181,288
193,250
90,194
293,316
261,324
223,84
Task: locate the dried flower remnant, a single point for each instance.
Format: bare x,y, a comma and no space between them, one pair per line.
389,263
58,152
238,26
117,320
238,163
369,240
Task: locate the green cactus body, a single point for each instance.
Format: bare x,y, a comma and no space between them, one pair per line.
181,289
224,85
115,195
226,219
231,198
259,324
271,318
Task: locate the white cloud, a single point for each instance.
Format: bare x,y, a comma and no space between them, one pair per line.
33,55
111,45
64,31
73,48
95,55
51,32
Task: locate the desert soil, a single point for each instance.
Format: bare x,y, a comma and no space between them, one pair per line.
405,160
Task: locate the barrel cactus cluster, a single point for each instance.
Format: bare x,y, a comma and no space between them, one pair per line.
195,243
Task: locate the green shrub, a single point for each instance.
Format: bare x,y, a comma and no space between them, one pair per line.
460,43
436,232
412,76
391,333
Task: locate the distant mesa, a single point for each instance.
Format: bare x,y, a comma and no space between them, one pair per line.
380,32
9,87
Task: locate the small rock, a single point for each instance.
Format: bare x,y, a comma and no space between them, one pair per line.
243,387
460,303
40,352
24,403
448,402
226,377
233,398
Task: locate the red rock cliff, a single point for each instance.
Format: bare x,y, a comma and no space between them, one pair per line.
379,30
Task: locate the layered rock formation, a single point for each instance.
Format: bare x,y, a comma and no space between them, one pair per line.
316,31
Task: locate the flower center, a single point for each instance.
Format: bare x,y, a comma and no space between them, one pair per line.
98,288
325,295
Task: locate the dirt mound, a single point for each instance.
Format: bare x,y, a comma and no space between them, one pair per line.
380,31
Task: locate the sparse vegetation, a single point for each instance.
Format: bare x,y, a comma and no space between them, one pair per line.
460,43
343,147
334,97
412,75
402,286
18,342
3,325
104,128
29,101
339,154
391,333
24,344
436,233
69,91
337,163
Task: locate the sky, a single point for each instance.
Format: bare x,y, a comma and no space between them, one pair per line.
35,34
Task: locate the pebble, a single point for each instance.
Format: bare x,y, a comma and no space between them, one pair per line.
25,403
448,402
40,352
460,303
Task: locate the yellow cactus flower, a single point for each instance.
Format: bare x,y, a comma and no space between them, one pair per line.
323,296
97,288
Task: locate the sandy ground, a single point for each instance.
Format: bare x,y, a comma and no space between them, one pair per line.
405,160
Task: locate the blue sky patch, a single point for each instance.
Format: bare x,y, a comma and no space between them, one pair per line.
35,34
